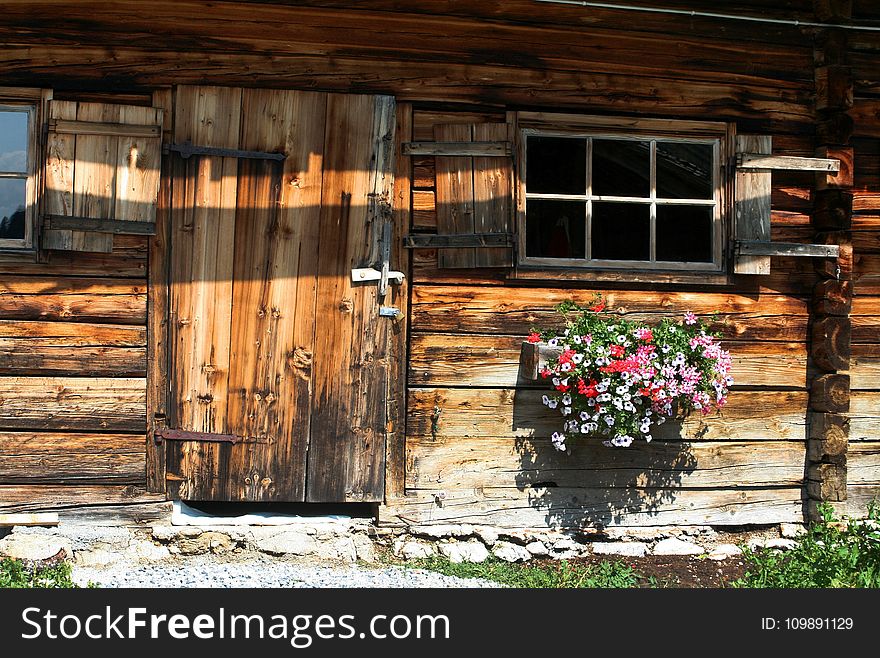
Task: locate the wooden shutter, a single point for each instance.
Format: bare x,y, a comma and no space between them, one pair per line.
102,174
753,190
473,195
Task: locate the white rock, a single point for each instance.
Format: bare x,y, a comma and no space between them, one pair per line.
441,531
364,549
537,548
148,551
566,544
413,550
467,551
487,534
625,548
341,548
32,547
289,542
673,546
97,557
791,530
781,543
511,552
724,551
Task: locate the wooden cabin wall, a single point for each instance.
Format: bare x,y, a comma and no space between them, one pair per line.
73,353
863,459
477,438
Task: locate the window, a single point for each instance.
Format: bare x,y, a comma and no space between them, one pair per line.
17,168
605,193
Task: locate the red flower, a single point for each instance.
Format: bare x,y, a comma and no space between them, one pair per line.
562,388
616,350
534,337
597,307
546,372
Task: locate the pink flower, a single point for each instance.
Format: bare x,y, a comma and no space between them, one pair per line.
690,318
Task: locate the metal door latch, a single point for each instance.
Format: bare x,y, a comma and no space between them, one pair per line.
383,275
389,311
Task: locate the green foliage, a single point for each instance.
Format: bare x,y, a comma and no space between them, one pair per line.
830,554
556,575
15,575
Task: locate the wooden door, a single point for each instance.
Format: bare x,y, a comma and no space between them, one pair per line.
271,345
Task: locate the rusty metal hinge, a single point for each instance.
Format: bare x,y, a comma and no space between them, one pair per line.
183,435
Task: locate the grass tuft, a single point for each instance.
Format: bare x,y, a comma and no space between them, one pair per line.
15,575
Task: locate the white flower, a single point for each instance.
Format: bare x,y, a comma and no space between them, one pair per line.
553,404
628,406
609,420
565,367
627,397
621,339
566,399
553,342
620,390
577,340
556,381
577,358
566,411
584,415
545,400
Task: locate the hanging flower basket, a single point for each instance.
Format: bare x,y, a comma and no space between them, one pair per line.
617,379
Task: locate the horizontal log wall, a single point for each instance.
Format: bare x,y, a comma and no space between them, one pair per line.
72,385
478,448
863,458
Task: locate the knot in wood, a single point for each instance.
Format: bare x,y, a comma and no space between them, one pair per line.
346,305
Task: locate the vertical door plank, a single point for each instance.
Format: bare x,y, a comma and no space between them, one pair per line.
455,196
753,192
274,294
137,167
347,448
493,195
94,184
208,116
158,309
60,153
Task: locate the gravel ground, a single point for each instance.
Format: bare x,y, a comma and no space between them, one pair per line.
262,572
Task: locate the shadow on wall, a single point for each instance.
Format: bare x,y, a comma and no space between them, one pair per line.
595,486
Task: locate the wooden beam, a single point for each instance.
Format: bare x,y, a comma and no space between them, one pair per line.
431,241
72,127
830,347
830,393
460,149
25,519
765,248
117,226
785,162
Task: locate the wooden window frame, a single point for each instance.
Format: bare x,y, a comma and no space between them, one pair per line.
721,135
30,176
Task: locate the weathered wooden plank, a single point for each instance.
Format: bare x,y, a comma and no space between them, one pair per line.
476,360
94,177
791,163
274,294
486,148
791,249
114,504
864,419
480,309
128,260
494,462
24,357
158,311
72,299
37,519
442,414
73,403
396,413
202,239
857,498
60,156
589,508
753,191
121,129
455,197
73,335
115,226
81,458
347,447
863,464
864,368
493,195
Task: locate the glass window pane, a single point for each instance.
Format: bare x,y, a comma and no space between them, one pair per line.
621,231
555,229
12,208
13,141
621,168
684,234
556,165
684,171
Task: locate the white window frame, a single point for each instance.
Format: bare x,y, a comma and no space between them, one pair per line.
30,175
719,135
